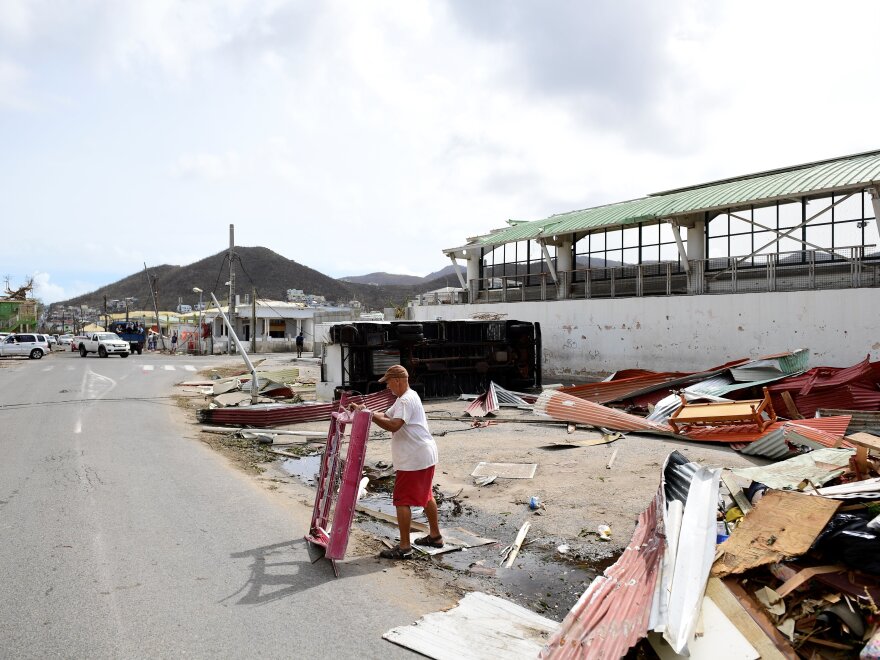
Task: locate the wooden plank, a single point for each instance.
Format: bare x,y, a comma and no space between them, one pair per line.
517,544
866,440
736,492
803,576
783,525
779,641
793,412
718,592
611,460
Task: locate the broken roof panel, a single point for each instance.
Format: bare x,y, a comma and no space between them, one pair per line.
275,414
612,614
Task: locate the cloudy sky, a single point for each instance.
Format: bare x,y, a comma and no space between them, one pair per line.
355,137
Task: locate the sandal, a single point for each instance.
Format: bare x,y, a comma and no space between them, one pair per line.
396,553
430,541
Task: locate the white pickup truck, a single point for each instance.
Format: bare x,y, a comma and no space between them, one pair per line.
104,344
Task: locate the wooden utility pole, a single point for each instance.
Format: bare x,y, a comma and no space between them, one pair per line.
154,294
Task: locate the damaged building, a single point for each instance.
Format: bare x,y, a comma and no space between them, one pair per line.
698,275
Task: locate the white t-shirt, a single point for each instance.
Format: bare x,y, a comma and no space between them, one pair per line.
412,446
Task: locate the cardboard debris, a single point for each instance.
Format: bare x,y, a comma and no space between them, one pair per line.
782,525
505,470
819,467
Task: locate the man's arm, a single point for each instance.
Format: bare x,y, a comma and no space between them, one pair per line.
381,420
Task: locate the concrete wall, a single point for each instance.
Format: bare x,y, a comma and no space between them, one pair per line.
583,338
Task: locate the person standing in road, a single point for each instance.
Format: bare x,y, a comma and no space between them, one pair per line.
300,340
174,343
414,455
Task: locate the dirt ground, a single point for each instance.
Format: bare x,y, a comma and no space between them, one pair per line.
577,492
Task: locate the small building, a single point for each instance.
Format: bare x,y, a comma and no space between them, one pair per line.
272,325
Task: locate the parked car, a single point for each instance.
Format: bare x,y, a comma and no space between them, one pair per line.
75,341
50,341
64,340
24,344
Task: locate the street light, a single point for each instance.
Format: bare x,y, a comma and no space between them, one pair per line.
199,335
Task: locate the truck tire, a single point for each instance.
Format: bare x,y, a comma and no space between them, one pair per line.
82,351
125,355
140,349
36,354
102,352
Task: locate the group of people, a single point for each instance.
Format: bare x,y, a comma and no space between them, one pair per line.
153,342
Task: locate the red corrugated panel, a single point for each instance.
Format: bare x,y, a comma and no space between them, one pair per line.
615,390
849,397
485,404
565,407
823,378
745,434
277,414
612,614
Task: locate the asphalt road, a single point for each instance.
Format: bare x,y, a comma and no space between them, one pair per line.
122,537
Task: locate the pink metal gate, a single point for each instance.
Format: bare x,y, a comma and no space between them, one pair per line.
338,484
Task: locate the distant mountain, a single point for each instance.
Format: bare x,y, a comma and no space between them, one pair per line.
400,280
383,278
255,267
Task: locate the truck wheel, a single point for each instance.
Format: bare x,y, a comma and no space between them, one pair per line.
123,355
82,351
140,350
102,352
36,354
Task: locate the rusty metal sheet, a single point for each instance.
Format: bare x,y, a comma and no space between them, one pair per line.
275,414
612,614
565,407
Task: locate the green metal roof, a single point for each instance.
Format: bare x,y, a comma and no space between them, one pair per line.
810,179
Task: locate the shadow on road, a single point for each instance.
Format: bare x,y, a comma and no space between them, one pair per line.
284,569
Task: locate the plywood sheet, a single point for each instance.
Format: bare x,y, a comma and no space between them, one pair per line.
505,470
479,627
781,526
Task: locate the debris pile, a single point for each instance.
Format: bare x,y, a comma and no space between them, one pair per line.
778,561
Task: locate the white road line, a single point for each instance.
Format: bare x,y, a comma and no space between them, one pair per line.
148,367
189,367
48,368
169,367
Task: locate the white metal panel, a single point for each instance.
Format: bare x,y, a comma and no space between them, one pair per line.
480,627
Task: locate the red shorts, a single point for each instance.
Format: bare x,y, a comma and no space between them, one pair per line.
413,487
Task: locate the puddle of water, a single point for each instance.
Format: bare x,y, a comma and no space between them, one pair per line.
305,469
540,579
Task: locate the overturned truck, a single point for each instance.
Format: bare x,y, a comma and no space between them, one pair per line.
443,358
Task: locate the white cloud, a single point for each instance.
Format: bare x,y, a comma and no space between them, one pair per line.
369,136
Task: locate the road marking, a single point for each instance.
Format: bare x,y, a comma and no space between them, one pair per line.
189,367
148,367
48,368
169,367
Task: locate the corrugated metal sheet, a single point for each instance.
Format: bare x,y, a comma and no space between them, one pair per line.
275,414
612,614
617,390
565,407
817,432
845,173
852,388
480,627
